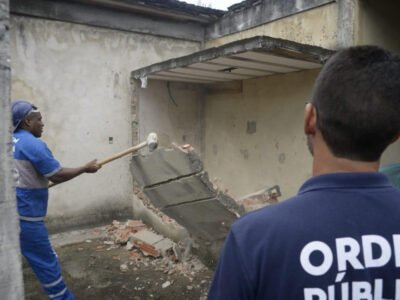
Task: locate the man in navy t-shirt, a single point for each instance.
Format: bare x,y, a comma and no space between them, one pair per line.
339,238
34,167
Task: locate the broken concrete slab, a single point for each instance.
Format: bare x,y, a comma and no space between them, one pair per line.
147,236
207,219
164,164
151,243
188,189
135,225
164,246
260,199
122,232
185,193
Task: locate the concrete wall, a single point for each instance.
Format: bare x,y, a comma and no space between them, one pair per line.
379,24
254,136
11,281
317,27
276,152
79,77
175,113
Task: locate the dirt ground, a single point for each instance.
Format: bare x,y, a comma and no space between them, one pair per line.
96,269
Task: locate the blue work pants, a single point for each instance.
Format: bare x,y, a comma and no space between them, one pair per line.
36,248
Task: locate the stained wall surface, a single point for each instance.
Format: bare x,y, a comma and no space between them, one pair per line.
316,27
79,78
254,138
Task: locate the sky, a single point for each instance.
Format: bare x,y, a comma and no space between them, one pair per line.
216,4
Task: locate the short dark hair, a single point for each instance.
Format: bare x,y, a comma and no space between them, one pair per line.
357,99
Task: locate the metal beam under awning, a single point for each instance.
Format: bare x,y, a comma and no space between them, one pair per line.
243,59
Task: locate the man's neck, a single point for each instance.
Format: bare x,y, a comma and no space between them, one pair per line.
325,162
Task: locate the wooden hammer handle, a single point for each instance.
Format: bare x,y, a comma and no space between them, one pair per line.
122,153
115,156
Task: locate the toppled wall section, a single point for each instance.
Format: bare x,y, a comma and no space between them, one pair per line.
176,183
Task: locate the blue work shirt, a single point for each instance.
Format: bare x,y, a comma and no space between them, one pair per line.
34,163
338,239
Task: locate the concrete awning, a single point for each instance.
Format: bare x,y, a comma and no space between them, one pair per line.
244,59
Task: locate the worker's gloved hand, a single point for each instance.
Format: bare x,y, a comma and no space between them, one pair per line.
92,166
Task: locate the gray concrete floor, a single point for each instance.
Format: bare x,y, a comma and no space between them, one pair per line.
92,270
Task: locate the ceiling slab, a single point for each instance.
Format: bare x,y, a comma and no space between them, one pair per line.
282,61
240,60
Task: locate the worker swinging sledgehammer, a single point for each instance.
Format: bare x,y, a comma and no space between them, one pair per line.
35,166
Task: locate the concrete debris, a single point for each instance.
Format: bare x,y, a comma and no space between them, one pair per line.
135,234
151,243
135,225
123,268
148,248
122,232
166,284
129,246
164,246
260,199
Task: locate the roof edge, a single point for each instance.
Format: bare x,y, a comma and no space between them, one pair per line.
287,48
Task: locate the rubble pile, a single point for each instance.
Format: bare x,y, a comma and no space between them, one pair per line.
151,249
146,201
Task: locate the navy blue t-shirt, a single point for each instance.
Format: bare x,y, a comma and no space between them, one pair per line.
339,238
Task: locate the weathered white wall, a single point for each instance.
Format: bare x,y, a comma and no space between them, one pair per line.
316,27
276,153
79,77
175,114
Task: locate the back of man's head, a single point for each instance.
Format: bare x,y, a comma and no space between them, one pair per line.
357,99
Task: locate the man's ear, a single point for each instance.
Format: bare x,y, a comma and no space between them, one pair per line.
26,122
310,119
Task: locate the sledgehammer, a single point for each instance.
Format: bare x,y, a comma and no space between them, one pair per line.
151,142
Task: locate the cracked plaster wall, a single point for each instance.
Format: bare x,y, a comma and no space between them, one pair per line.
79,77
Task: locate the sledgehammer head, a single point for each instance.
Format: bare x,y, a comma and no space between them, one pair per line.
152,141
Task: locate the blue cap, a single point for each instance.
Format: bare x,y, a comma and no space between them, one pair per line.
20,109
